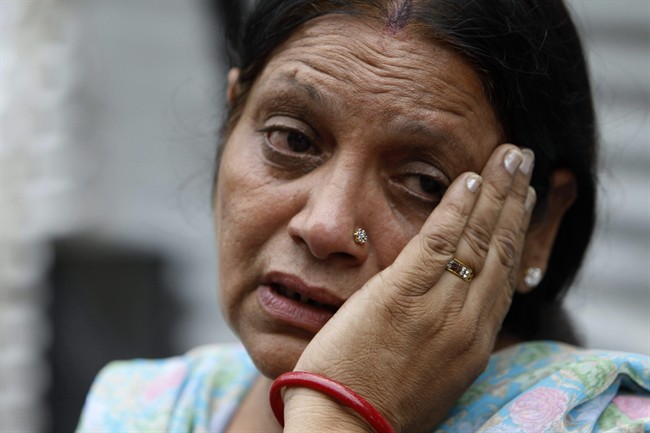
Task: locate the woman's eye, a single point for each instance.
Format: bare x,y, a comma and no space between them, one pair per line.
290,146
289,140
427,187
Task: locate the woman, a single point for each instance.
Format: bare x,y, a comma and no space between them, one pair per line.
376,228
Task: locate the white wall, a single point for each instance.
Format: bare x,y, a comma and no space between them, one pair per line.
150,106
37,191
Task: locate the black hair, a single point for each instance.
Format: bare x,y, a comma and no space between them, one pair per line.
530,59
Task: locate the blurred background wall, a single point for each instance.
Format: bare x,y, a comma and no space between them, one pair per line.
109,116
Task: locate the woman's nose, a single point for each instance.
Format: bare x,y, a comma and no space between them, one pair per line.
327,222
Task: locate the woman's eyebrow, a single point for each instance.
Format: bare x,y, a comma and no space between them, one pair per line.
445,144
288,81
412,127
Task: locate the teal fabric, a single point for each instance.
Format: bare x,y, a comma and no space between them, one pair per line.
533,387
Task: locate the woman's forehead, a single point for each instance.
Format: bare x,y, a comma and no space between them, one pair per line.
361,53
363,56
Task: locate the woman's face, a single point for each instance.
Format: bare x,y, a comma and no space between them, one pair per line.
349,125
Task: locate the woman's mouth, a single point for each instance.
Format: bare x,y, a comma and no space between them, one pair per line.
291,294
291,302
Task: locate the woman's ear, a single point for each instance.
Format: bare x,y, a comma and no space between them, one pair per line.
233,86
541,236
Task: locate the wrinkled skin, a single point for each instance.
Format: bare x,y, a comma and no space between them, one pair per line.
351,126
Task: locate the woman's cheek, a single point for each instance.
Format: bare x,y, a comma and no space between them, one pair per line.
394,239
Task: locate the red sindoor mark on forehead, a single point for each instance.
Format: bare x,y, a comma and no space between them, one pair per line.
399,16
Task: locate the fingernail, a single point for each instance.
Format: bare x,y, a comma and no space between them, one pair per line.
512,160
527,164
474,182
531,198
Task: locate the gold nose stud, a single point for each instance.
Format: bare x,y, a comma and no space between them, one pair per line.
360,236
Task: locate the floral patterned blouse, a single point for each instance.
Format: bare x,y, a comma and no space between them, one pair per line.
532,387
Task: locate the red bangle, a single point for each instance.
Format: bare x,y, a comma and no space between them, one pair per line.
337,391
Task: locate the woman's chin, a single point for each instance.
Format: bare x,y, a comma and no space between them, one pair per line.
275,354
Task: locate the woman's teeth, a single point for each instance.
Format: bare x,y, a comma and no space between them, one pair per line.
291,294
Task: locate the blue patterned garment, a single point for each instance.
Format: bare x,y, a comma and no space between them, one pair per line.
532,387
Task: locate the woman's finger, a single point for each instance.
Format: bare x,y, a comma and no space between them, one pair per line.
500,305
498,177
506,244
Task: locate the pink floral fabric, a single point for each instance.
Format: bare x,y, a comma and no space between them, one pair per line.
548,387
536,387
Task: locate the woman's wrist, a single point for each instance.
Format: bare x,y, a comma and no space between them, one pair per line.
309,410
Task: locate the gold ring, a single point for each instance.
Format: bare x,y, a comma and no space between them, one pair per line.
360,236
460,269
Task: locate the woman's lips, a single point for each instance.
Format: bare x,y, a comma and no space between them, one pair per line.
291,306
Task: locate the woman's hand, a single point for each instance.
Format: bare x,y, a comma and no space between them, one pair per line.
415,336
